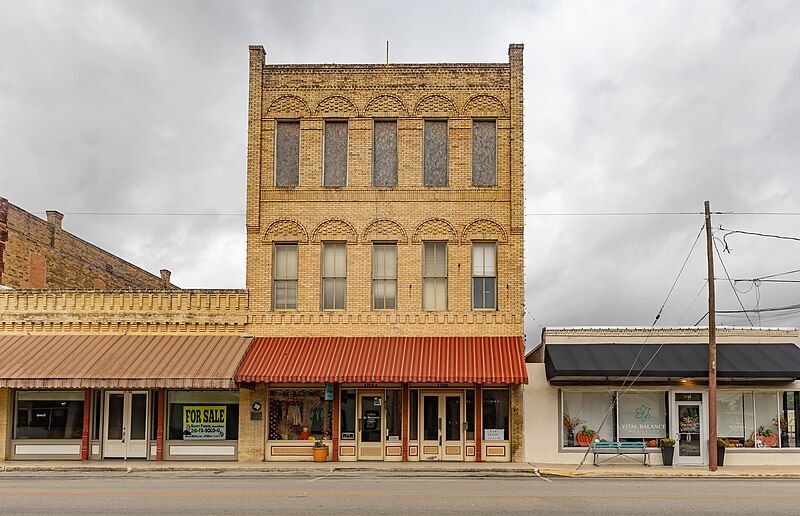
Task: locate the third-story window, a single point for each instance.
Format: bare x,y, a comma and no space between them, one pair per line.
287,153
434,160
484,152
334,275
434,276
484,276
284,283
384,153
384,276
335,160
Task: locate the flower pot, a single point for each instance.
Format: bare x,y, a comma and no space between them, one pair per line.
720,455
666,455
320,453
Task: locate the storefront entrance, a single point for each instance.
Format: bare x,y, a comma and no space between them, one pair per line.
125,426
370,426
691,441
442,426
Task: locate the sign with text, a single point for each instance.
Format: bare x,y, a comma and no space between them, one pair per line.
204,422
494,434
642,415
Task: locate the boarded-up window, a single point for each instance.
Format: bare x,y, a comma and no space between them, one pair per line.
335,173
384,153
287,153
434,153
484,152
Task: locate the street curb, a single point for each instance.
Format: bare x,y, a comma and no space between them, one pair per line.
665,474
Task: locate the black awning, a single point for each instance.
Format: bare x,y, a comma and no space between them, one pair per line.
577,361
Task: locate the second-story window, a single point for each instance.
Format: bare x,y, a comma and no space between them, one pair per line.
384,153
287,153
484,152
284,273
335,154
484,276
434,276
384,276
334,275
434,153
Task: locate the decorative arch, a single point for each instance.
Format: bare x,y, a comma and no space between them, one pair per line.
288,106
484,229
336,106
285,230
435,106
385,229
335,229
484,105
386,106
435,229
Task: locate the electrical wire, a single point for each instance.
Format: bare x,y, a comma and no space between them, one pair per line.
702,288
752,233
735,292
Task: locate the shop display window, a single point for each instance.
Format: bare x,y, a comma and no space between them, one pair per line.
790,406
758,419
735,416
348,415
495,414
642,416
300,414
413,416
394,414
203,415
48,415
469,424
97,412
582,415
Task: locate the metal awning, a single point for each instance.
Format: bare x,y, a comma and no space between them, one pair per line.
385,359
757,361
120,361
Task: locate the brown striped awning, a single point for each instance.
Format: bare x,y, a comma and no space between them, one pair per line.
120,361
385,359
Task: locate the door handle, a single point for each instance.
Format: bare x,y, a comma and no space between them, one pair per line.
359,424
123,434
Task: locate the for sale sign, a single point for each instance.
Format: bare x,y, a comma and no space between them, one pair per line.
204,422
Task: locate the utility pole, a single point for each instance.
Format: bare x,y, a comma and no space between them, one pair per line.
712,348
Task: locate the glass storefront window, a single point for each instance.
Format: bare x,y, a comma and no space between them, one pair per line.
348,415
735,416
589,408
203,415
766,420
495,414
97,403
469,427
413,416
790,405
48,415
642,416
394,414
299,414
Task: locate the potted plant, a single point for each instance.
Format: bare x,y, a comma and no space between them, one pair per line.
667,451
320,451
782,424
766,438
570,424
585,436
721,445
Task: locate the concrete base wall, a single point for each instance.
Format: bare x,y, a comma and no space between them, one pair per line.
252,432
6,421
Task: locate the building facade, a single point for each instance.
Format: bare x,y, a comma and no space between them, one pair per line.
385,212
37,253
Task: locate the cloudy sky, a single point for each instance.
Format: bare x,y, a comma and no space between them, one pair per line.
132,107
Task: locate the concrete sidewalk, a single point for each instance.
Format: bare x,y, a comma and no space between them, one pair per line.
639,471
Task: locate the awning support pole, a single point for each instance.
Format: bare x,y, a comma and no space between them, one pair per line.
478,422
712,348
87,411
406,414
161,407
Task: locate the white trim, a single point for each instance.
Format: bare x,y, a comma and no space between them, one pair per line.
188,450
47,449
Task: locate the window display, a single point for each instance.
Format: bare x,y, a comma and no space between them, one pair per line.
348,415
203,415
642,416
582,415
394,414
495,414
299,414
49,415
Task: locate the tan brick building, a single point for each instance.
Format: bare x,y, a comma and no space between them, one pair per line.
385,201
37,253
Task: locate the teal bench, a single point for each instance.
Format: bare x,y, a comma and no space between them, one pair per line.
619,449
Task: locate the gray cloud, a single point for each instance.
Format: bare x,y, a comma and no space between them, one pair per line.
141,106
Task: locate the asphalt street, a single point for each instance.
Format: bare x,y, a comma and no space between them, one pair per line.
366,493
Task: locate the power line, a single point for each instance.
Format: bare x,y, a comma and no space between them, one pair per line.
735,292
752,233
760,310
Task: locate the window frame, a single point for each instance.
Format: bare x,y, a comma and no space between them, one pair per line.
472,276
496,152
396,152
275,279
324,245
445,277
384,279
447,148
278,121
347,151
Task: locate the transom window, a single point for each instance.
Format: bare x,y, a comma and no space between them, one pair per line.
334,275
434,276
384,276
284,283
484,276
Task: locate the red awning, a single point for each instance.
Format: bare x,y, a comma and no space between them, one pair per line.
385,359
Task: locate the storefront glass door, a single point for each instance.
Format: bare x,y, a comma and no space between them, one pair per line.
442,427
691,445
370,427
126,422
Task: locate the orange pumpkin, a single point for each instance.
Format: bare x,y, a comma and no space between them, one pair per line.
585,439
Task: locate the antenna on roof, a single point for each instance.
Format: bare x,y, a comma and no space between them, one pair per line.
387,51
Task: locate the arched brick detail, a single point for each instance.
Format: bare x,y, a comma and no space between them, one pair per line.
288,106
336,106
285,230
484,106
435,229
435,106
484,229
386,106
385,229
335,229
